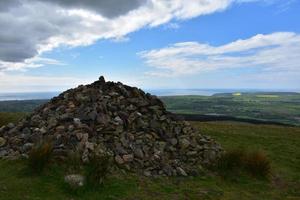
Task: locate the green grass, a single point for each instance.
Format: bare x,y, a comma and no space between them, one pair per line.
267,96
20,105
6,118
281,144
15,184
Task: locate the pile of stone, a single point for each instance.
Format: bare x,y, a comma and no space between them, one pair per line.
133,126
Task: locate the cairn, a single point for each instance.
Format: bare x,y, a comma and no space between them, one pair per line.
131,125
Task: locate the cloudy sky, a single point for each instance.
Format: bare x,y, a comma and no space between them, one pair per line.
51,45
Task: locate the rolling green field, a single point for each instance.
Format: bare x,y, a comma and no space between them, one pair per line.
20,105
281,144
7,117
273,106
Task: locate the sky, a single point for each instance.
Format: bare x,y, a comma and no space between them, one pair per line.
52,45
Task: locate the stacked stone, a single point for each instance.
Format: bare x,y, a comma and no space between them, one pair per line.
107,117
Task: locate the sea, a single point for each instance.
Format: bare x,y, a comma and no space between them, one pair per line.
27,95
158,92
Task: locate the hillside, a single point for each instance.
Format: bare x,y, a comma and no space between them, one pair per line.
278,107
20,105
284,184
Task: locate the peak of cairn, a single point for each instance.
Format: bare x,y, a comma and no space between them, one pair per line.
133,126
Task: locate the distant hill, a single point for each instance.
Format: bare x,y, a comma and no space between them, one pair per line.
282,107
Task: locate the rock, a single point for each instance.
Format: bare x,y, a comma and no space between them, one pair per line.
162,118
119,160
177,130
138,153
85,156
128,158
71,128
65,117
161,145
2,141
77,121
26,131
101,80
2,129
93,115
141,123
81,98
89,146
184,143
119,149
75,180
186,129
60,128
85,138
147,173
113,94
181,171
27,146
173,141
79,135
52,122
191,153
11,125
43,130
3,153
118,120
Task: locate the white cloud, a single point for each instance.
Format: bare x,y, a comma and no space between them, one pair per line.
280,5
28,83
172,26
34,62
31,27
22,82
273,52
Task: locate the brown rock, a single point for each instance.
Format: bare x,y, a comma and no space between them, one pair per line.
119,160
128,158
2,141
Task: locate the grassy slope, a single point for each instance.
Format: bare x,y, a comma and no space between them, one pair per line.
280,107
5,118
280,143
20,105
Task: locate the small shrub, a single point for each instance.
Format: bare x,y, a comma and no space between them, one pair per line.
258,164
39,156
231,160
97,169
236,161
